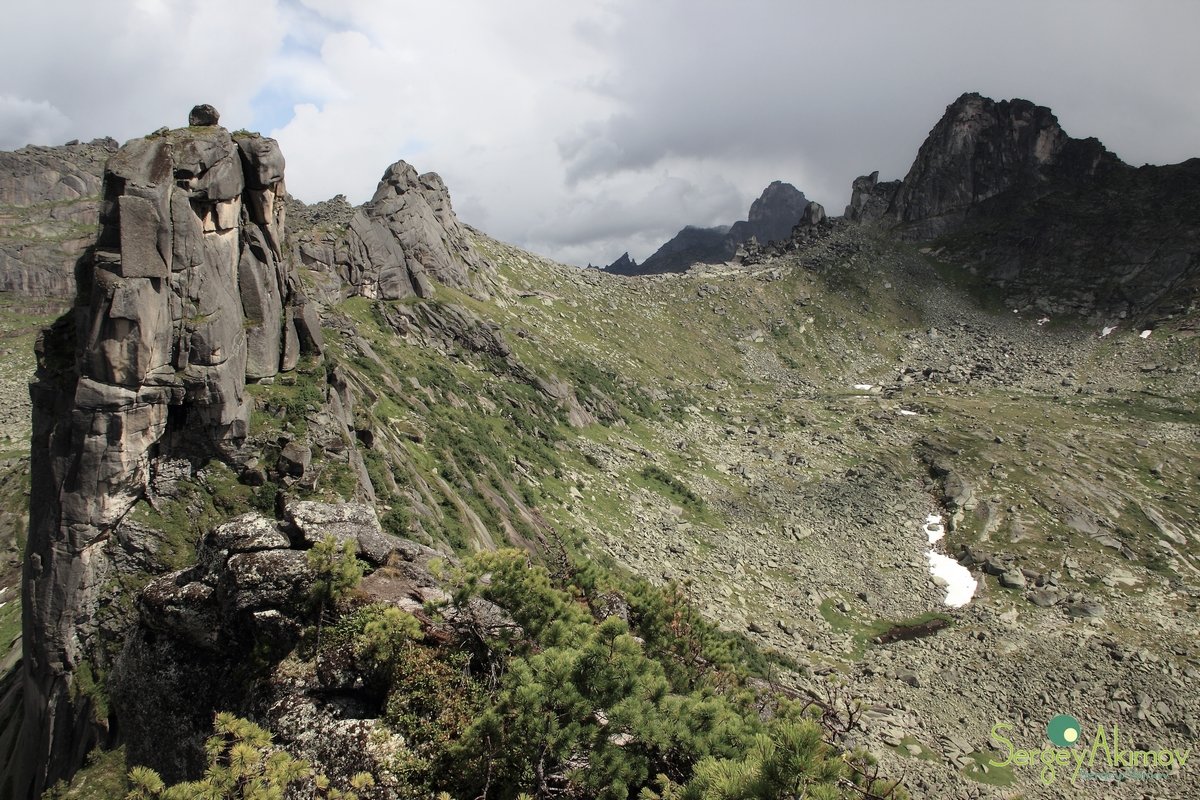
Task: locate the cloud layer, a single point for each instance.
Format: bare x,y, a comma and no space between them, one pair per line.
582,131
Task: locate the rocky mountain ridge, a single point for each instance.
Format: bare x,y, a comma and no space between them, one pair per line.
183,298
1050,222
190,308
395,244
772,216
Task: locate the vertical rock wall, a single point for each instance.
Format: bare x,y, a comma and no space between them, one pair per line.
184,296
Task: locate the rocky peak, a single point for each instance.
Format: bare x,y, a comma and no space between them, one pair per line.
623,265
184,296
393,246
772,216
978,149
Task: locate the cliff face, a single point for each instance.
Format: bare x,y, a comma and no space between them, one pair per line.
183,297
49,198
1054,223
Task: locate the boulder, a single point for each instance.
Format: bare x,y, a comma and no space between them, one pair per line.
245,534
182,608
814,214
1012,579
295,458
313,521
266,579
1085,609
202,115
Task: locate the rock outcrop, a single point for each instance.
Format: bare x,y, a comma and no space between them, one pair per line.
49,198
391,247
814,214
183,298
1056,224
870,199
772,216
206,638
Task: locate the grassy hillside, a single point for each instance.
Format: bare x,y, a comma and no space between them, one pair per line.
770,439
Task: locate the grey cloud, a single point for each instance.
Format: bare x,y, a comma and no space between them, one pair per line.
123,68
25,122
850,88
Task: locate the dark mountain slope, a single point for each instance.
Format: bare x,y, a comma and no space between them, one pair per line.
1054,223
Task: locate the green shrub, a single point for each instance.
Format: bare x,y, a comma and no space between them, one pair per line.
242,765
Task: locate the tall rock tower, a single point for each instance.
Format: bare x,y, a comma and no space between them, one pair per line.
184,296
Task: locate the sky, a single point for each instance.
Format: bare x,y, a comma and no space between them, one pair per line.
582,130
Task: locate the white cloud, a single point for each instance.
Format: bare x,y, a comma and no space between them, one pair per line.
24,121
126,67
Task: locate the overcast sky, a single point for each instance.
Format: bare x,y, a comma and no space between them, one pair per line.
582,130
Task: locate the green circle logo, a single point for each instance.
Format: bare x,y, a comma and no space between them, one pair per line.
1063,730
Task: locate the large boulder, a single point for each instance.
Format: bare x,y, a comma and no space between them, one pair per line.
312,522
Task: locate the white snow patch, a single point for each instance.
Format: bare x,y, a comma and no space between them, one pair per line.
864,387
1145,334
934,528
904,412
960,584
1107,330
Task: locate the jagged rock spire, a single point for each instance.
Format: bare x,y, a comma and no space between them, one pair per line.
184,297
